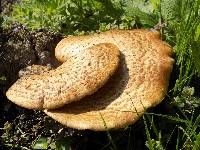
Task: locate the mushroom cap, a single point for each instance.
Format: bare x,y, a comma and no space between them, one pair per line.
81,74
34,69
140,81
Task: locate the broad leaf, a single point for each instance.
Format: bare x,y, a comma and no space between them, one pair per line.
41,143
63,143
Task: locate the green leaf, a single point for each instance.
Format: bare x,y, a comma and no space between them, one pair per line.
196,55
143,10
197,32
41,143
197,143
170,9
63,143
2,78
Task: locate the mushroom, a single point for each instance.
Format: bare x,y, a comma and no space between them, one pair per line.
140,82
132,82
78,76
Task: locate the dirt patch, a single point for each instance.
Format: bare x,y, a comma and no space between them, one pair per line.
18,49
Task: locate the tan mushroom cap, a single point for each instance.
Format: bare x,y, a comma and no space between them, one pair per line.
34,69
140,81
78,76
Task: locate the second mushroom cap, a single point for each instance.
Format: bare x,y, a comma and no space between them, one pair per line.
82,73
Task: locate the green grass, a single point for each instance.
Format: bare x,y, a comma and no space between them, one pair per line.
184,29
188,134
182,32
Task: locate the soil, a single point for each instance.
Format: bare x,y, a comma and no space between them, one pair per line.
18,49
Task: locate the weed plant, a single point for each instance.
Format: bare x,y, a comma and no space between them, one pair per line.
64,15
77,16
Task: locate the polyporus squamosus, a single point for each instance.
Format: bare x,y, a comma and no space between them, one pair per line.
77,77
140,81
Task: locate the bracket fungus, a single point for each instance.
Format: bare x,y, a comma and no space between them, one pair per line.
78,76
138,79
